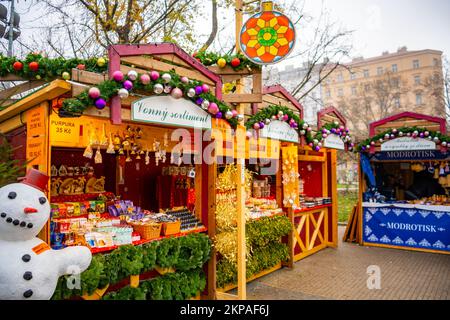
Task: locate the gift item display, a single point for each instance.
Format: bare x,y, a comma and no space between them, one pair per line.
310,202
260,207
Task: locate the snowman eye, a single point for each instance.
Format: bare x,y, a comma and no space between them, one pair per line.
12,195
42,200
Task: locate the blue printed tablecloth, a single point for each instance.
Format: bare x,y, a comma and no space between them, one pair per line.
403,225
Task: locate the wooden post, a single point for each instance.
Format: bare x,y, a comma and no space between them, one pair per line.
359,213
291,238
209,191
334,199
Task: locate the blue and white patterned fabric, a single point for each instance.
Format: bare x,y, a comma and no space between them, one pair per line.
407,226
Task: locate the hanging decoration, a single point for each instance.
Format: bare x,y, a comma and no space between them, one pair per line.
268,36
290,177
278,113
237,62
154,83
414,132
316,142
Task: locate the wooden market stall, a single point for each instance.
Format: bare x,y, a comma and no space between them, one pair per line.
125,148
404,186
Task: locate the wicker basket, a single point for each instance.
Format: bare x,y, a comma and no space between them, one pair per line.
170,228
148,231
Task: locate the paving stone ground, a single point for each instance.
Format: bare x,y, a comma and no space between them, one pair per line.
342,274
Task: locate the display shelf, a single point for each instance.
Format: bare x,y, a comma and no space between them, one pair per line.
271,216
80,197
141,242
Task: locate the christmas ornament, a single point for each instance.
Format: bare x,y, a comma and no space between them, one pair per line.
205,104
256,126
123,93
98,156
261,125
38,77
205,88
400,134
167,89
94,93
191,93
235,62
128,85
17,65
34,66
88,153
199,101
228,114
267,121
176,93
221,62
30,269
213,108
145,79
154,75
184,80
158,88
249,134
444,144
235,113
101,62
198,90
100,103
65,75
132,75
81,66
240,117
219,115
118,76
166,77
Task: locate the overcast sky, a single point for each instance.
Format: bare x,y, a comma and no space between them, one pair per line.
379,25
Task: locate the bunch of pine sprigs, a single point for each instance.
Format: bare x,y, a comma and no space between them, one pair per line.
236,61
10,169
184,254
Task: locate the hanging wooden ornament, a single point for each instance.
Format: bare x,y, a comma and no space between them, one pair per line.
98,156
147,158
128,159
88,152
110,149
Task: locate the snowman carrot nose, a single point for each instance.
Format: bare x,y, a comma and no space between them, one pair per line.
29,210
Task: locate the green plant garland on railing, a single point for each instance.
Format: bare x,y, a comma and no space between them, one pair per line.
154,83
316,142
237,61
414,132
37,67
281,113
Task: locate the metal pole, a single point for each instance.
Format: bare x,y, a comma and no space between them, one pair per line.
10,36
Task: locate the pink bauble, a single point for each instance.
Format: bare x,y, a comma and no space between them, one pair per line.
118,76
285,117
154,75
94,93
324,135
176,93
249,134
235,113
205,88
184,79
145,79
309,129
256,126
311,144
213,108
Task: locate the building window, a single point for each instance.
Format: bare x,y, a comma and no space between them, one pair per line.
341,92
397,102
435,62
366,73
395,83
379,71
394,68
367,87
328,94
340,77
352,75
416,80
354,91
416,64
419,99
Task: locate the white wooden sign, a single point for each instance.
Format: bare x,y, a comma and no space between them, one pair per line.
171,112
408,144
280,130
333,141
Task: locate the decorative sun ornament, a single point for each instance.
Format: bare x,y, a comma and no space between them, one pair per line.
268,36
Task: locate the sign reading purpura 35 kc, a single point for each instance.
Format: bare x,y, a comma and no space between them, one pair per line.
408,144
279,130
333,141
420,227
169,111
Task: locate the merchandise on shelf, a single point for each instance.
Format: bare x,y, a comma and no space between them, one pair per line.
188,219
262,207
310,202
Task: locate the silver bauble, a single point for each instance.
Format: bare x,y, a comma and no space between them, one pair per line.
191,93
158,88
123,93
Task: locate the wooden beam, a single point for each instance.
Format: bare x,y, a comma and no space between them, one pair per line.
242,98
230,71
88,76
12,77
7,93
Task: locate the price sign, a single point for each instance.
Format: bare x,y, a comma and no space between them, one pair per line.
65,130
36,121
36,150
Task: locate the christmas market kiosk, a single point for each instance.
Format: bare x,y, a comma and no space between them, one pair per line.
404,183
126,154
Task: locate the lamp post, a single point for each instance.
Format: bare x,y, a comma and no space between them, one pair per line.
14,19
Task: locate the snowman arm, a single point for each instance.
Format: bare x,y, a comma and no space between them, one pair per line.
72,259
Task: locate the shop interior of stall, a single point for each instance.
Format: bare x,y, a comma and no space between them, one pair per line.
418,182
96,195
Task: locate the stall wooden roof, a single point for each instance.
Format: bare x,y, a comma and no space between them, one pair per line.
329,115
408,119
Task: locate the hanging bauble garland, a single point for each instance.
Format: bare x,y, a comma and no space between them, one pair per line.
168,83
278,113
318,139
236,61
413,132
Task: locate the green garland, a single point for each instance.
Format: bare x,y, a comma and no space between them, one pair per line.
211,58
265,115
332,128
75,106
419,132
266,230
49,68
184,253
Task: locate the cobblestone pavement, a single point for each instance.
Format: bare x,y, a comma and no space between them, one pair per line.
342,274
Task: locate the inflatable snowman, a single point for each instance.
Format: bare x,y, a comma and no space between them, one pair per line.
29,268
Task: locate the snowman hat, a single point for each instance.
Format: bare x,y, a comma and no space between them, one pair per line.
36,179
